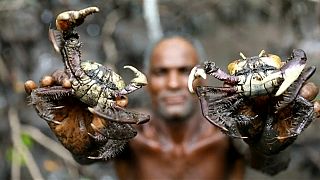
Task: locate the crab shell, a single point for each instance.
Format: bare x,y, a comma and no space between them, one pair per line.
99,85
269,59
250,83
88,87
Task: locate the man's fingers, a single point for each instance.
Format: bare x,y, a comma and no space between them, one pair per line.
317,108
46,81
309,91
58,78
61,78
29,86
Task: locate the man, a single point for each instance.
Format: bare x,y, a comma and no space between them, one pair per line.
178,143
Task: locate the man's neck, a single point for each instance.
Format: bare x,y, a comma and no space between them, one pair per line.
178,132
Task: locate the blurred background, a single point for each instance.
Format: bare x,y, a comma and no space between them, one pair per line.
117,36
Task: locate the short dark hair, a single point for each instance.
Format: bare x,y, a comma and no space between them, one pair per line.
193,41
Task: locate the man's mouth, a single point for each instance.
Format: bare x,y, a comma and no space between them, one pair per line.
174,100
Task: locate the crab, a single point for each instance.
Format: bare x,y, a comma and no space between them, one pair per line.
236,107
93,87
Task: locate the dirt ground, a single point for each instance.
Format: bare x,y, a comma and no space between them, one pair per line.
118,36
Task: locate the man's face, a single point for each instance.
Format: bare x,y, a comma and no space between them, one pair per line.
171,62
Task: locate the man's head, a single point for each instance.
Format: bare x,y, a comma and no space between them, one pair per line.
170,62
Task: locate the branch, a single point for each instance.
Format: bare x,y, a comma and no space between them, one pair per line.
15,166
11,5
108,29
152,18
20,147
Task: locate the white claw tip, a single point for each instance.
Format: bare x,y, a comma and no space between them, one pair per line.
262,53
195,73
140,77
201,73
130,67
91,109
243,56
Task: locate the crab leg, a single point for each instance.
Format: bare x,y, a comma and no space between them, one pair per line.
119,115
65,40
210,107
211,69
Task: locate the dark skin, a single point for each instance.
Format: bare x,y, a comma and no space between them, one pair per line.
178,143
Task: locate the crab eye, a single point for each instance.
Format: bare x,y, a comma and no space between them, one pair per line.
233,67
272,60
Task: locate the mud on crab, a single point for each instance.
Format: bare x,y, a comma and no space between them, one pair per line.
100,95
249,80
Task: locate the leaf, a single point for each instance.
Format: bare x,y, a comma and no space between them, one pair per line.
26,140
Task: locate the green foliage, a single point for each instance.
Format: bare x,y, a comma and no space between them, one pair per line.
10,152
26,140
13,152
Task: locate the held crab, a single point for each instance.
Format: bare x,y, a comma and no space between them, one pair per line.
95,86
249,80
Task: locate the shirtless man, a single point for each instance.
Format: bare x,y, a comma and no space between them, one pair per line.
178,143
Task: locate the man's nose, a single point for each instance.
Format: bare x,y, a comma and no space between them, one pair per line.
174,80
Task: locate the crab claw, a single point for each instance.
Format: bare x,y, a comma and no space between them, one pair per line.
71,19
290,75
195,73
290,71
140,78
136,83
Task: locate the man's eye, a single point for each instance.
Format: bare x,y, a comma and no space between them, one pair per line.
185,70
159,72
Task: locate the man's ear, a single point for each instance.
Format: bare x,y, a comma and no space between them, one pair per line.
147,87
